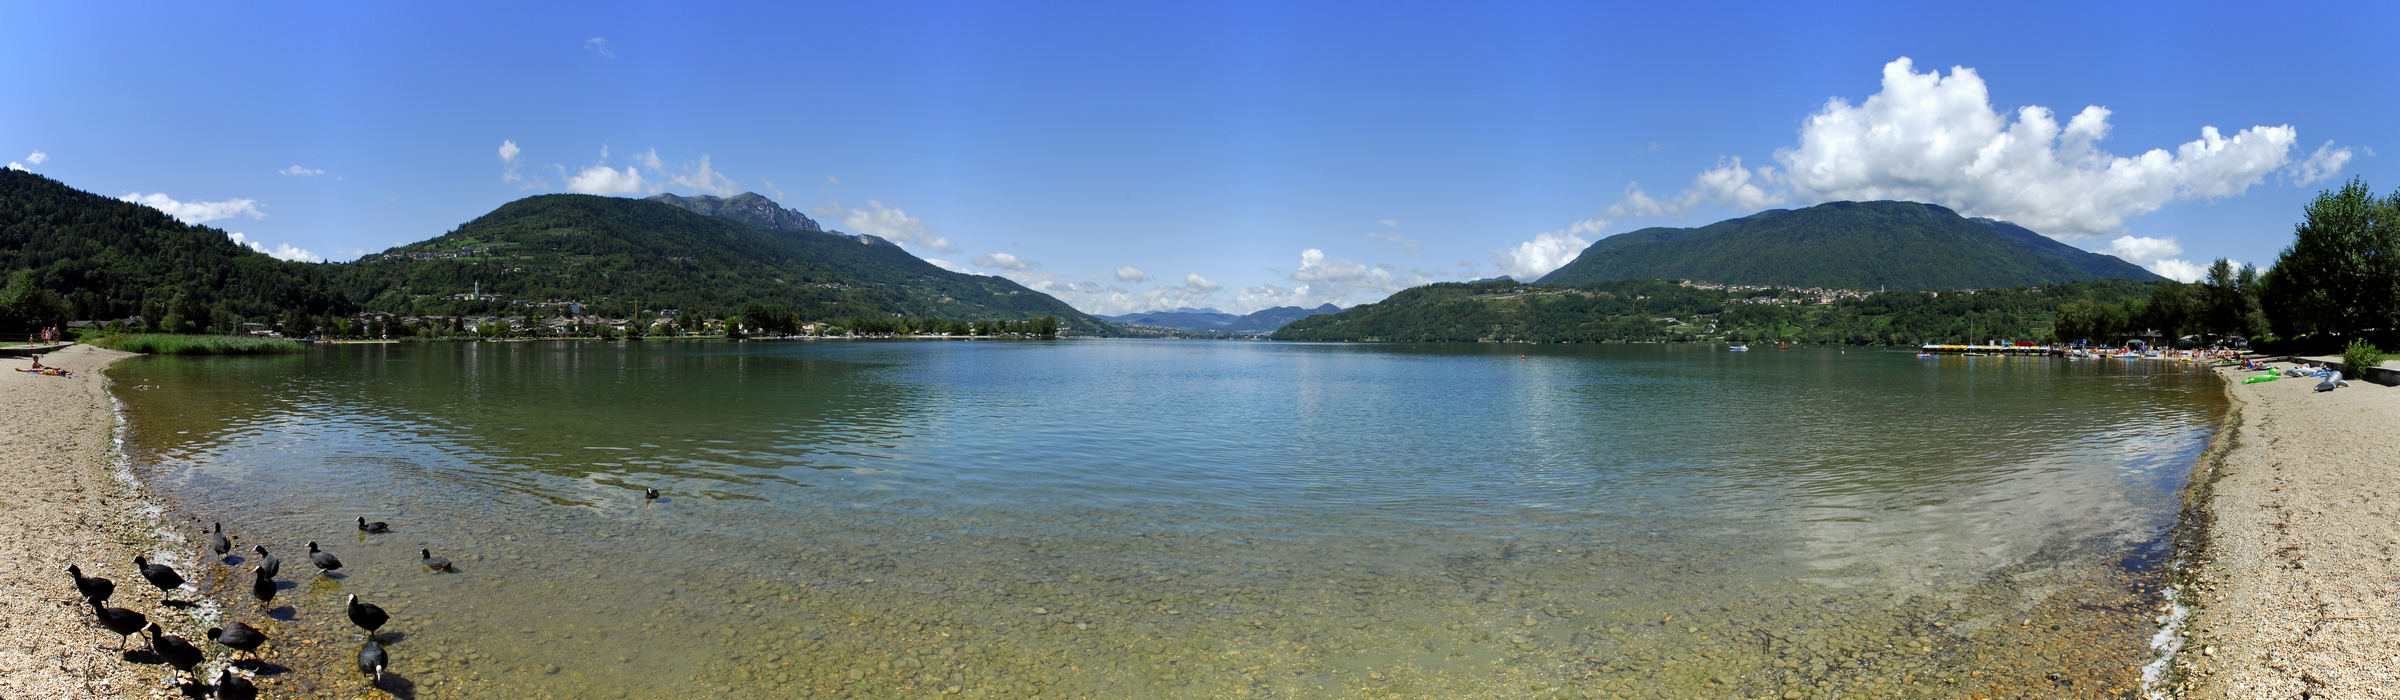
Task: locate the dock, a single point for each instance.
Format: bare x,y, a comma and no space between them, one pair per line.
1986,349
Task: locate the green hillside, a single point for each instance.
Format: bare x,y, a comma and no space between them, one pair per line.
1846,245
613,253
107,259
1651,310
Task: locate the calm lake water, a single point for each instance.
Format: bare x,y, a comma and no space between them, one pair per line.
1195,519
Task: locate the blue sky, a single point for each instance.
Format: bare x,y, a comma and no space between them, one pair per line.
1134,156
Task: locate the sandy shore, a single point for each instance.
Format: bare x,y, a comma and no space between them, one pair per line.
66,507
2297,591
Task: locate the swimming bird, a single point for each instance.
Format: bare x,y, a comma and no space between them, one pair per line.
649,493
434,562
268,564
178,653
377,526
367,616
371,661
92,587
262,586
160,575
119,620
232,687
238,636
217,541
324,560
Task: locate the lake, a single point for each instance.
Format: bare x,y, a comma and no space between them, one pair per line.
1187,518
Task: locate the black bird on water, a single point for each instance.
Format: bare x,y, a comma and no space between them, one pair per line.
434,562
119,620
367,616
377,526
238,636
92,587
649,493
178,653
160,575
217,541
371,661
325,561
262,586
268,564
232,687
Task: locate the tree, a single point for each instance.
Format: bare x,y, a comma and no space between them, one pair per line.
2341,275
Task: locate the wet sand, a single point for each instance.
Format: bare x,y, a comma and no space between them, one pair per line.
58,457
2296,591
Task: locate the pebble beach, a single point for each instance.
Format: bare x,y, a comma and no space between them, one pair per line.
2296,588
68,507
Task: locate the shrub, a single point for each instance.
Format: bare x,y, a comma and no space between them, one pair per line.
173,344
2360,356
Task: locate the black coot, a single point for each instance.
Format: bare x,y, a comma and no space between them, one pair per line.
377,526
648,492
238,636
434,562
217,541
232,687
119,620
160,575
267,563
92,587
367,616
324,560
178,653
262,586
371,661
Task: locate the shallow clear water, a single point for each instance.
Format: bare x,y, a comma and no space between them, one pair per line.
894,519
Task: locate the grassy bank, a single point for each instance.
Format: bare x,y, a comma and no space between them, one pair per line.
172,344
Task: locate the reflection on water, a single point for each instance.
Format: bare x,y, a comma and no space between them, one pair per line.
1191,518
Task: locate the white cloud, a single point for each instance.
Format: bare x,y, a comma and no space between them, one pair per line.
1932,138
600,45
1635,203
700,178
2157,255
37,157
604,180
16,166
650,160
1132,274
1325,279
1195,282
1729,184
508,161
1548,251
196,212
1395,238
2321,166
281,251
302,171
1389,223
2143,250
951,266
778,191
893,225
2179,270
1004,261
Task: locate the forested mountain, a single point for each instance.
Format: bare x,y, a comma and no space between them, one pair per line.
1849,245
107,259
748,207
1264,320
1651,310
613,253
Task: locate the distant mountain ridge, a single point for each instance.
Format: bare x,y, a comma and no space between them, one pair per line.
663,253
1847,245
1212,320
